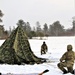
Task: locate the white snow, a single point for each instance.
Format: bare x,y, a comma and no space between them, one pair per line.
56,47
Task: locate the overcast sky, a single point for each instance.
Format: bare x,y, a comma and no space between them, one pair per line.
44,11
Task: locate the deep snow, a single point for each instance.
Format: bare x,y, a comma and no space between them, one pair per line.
56,47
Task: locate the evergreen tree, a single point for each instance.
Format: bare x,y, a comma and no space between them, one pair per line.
1,15
38,28
1,26
28,27
45,29
56,28
20,22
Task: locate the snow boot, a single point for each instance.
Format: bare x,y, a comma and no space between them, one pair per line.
65,72
72,72
0,73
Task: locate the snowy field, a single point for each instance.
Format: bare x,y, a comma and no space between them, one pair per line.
56,47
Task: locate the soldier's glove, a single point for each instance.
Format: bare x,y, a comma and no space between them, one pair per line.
60,60
45,71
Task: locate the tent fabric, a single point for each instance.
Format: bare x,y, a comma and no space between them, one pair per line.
16,49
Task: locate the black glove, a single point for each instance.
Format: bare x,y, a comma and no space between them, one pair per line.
45,71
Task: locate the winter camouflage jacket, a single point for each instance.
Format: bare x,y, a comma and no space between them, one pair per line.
44,47
68,57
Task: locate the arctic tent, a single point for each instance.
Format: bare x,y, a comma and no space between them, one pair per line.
16,49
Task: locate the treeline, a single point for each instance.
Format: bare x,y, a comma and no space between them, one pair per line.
3,32
55,29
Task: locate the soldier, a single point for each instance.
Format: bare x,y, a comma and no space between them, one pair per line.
67,60
44,48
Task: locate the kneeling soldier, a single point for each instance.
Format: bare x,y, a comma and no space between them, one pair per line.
67,60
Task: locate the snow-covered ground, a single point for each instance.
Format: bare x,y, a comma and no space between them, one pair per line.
56,47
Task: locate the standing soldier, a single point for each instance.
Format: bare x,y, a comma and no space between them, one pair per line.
67,60
44,48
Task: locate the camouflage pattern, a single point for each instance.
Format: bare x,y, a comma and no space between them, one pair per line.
44,48
16,49
67,60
